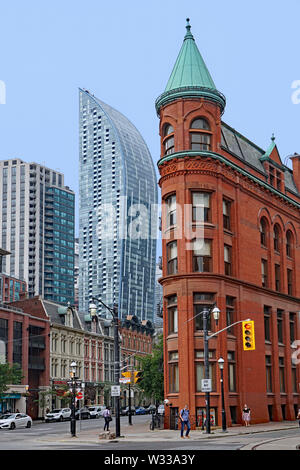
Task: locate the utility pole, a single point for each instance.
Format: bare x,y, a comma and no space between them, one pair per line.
117,366
206,313
115,322
129,399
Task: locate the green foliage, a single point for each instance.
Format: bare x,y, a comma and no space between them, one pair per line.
9,375
152,366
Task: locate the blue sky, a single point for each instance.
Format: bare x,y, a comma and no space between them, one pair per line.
123,52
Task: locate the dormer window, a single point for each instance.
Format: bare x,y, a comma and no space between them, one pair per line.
200,135
69,319
168,141
271,175
278,180
275,178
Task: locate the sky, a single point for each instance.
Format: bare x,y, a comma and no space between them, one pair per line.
124,52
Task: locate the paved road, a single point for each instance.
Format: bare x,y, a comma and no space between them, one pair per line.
28,439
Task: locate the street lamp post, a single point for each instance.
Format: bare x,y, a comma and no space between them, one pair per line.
73,385
221,365
115,321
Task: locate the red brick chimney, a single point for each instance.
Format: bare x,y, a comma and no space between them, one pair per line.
296,169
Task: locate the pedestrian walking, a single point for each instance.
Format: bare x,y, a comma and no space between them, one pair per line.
246,415
185,421
298,416
107,417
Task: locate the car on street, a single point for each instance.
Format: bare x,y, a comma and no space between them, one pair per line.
15,420
140,410
161,410
96,411
59,414
125,411
83,413
150,409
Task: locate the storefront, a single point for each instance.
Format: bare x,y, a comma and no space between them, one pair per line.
13,399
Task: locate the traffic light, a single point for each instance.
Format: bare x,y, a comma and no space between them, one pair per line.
126,374
138,376
248,335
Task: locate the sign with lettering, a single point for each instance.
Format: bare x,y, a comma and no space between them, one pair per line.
206,385
115,390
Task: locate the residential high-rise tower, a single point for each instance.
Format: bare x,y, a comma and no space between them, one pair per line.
118,197
37,220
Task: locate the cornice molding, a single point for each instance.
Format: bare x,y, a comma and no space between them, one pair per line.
182,163
175,278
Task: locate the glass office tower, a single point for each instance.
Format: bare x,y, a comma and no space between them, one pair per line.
118,197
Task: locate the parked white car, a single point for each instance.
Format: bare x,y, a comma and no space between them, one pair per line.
59,414
96,411
15,420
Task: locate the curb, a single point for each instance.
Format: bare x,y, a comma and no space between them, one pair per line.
160,438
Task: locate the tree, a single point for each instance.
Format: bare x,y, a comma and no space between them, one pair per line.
9,375
44,399
152,367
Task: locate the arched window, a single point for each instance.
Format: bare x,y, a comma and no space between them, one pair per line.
168,142
200,123
171,210
289,244
200,136
263,232
276,238
168,129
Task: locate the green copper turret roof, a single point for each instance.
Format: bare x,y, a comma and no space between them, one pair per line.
189,68
190,76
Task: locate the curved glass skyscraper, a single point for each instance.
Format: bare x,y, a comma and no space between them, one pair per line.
118,197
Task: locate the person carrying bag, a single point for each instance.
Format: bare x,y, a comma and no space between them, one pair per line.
185,421
107,417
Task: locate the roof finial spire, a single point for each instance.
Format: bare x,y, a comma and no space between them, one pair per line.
188,30
273,137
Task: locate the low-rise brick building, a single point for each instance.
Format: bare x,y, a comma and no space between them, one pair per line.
25,334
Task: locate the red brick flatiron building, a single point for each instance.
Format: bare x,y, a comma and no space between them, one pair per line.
230,228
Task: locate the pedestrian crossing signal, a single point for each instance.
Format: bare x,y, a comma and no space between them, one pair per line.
248,335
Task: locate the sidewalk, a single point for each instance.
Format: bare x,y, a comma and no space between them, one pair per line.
140,432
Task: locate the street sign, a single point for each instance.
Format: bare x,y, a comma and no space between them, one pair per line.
206,385
124,380
115,390
79,396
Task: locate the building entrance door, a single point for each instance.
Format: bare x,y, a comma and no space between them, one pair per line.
174,418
